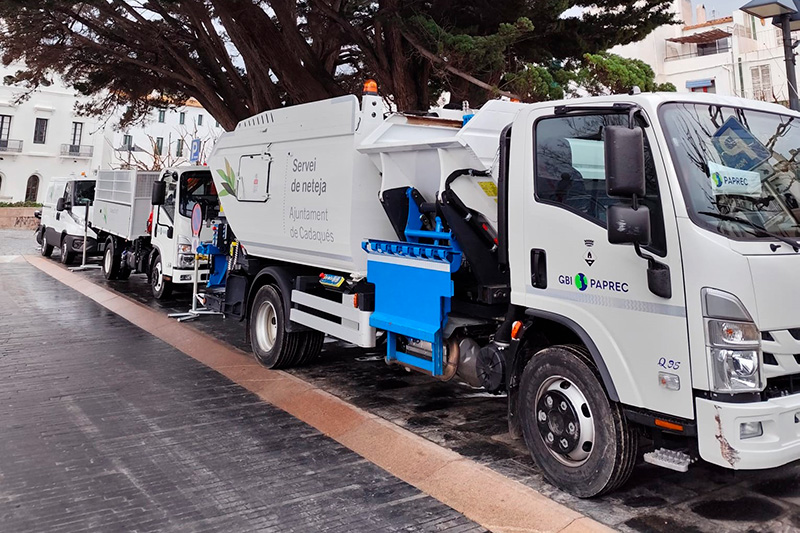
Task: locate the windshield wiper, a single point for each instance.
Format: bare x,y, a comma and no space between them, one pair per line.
762,231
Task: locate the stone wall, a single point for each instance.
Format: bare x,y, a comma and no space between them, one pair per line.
18,218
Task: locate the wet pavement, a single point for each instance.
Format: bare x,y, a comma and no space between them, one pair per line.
104,427
473,423
17,242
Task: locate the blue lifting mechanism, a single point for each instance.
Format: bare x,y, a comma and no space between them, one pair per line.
413,287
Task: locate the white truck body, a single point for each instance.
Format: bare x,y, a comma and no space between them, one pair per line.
122,202
65,229
710,354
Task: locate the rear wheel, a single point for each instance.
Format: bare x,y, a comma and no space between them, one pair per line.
273,346
579,438
162,288
66,256
110,260
47,249
311,347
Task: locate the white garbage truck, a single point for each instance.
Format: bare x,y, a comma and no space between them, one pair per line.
144,220
619,266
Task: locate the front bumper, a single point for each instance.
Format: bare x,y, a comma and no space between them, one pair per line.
718,426
180,275
75,244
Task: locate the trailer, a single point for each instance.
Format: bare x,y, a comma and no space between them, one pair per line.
619,266
144,220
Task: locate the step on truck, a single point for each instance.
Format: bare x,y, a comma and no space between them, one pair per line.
619,266
144,220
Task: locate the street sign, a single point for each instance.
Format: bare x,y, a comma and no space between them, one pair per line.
197,220
195,155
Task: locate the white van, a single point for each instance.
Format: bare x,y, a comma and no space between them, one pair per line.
63,218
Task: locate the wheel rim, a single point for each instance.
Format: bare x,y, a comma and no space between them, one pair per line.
564,421
64,248
157,279
108,260
266,326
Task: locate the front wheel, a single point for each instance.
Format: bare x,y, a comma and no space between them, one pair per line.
47,249
161,287
578,437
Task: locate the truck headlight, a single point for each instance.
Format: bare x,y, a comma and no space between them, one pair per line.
186,260
733,343
184,248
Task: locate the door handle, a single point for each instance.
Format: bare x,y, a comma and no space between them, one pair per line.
58,216
539,268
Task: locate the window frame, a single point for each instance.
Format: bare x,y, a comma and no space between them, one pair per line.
182,118
162,115
36,131
77,128
595,112
159,147
200,119
5,124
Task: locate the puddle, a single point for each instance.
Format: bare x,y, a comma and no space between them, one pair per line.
746,508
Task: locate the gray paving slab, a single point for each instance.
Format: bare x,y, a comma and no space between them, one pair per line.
103,427
473,423
17,242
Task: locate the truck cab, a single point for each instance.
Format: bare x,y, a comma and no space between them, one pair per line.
63,217
171,229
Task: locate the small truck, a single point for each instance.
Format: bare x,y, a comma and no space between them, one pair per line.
144,221
63,217
620,267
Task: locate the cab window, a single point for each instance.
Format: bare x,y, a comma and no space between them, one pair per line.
570,170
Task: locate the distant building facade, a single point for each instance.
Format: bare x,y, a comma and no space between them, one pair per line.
42,137
735,55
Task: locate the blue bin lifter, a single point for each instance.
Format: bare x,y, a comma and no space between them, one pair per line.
413,288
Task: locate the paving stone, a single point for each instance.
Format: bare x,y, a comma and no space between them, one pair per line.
106,428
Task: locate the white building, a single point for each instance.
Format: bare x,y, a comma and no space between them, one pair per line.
42,136
736,55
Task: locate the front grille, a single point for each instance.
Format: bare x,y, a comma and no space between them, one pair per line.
769,359
782,386
795,332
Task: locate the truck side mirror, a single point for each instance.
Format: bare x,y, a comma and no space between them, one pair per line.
159,193
624,161
61,204
627,225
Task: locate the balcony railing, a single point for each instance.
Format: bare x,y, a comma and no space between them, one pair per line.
10,145
77,150
698,53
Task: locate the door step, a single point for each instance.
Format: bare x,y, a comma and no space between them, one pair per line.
671,459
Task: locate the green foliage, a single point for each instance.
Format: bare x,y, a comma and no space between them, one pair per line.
606,73
20,204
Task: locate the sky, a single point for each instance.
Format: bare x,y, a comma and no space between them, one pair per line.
723,8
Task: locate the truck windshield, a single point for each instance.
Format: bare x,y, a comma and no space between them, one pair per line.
738,168
84,193
198,187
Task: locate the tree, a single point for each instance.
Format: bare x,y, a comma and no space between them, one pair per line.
606,73
240,57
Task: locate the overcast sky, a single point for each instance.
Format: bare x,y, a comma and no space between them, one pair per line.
723,8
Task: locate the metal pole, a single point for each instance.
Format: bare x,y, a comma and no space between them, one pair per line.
788,53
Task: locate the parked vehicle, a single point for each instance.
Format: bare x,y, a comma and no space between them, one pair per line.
63,216
620,266
144,220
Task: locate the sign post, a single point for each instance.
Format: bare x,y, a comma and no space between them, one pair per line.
83,265
194,312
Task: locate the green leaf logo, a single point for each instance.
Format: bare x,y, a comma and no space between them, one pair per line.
228,180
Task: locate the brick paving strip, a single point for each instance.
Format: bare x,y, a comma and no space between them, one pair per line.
492,500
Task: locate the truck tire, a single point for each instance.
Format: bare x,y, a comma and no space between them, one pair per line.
311,347
66,256
161,287
273,346
110,260
39,235
47,249
578,437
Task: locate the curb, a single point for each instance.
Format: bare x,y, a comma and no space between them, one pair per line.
454,480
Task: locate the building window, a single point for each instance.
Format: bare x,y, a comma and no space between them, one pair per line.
32,189
159,145
127,142
216,123
199,120
182,118
40,131
77,133
5,127
161,115
762,82
179,148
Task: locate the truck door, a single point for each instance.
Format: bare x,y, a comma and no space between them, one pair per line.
572,273
164,222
